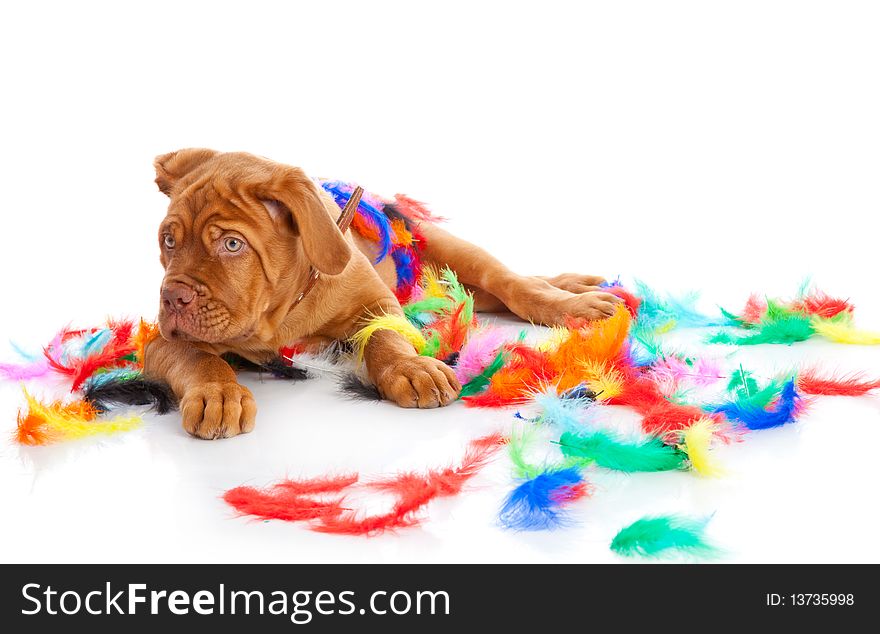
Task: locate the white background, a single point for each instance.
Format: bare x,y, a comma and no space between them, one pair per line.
726,147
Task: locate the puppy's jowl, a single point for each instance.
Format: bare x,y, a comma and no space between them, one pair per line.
255,261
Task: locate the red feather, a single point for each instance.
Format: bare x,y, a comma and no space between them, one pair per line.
631,301
809,382
452,330
525,372
822,305
415,210
414,491
288,500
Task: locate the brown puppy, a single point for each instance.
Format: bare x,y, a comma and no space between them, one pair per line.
237,245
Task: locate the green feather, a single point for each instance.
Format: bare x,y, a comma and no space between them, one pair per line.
433,305
746,390
785,328
479,382
610,452
663,535
517,445
648,338
735,319
432,346
458,294
762,397
742,383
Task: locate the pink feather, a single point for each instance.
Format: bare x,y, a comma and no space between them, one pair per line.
478,352
673,370
24,371
32,370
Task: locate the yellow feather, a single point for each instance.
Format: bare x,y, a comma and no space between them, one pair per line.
431,283
604,381
696,442
396,323
664,328
844,332
556,336
77,420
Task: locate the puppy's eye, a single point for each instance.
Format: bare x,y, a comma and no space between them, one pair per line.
233,244
168,241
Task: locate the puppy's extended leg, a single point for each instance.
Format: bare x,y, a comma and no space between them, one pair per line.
393,364
212,403
541,300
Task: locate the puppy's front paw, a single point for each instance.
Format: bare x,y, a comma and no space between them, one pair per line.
218,410
575,282
419,382
592,305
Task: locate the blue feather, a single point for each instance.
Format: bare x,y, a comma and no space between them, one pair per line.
655,311
569,412
638,354
615,283
117,374
755,417
341,192
96,342
404,266
537,504
27,356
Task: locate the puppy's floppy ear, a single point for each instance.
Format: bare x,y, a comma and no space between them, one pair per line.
173,166
322,241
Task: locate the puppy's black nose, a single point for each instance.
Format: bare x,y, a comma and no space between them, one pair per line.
176,296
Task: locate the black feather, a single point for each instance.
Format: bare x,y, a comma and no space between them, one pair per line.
391,211
137,391
355,389
276,367
280,370
580,392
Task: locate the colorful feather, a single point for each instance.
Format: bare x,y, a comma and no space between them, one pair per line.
413,492
356,389
539,503
820,304
480,350
811,382
519,441
525,371
135,389
753,416
664,535
843,331
43,424
37,366
415,210
147,331
699,372
681,311
478,383
603,379
786,329
610,451
568,411
597,342
395,323
24,371
291,500
696,443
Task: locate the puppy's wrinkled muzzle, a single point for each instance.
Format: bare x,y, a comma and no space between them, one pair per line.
177,297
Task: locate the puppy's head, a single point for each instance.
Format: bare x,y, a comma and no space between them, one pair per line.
239,234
